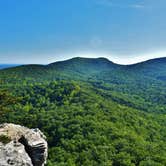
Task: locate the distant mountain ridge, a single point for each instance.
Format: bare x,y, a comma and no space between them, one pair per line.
4,66
100,60
85,67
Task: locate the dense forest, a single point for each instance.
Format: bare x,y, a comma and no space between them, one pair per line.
93,112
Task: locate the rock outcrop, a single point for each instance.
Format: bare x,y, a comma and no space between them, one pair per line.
20,146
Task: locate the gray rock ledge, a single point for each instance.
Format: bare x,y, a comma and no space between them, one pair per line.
20,146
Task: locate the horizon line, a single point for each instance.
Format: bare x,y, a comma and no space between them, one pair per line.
47,58
65,59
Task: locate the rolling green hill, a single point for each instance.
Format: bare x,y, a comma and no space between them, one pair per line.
88,67
94,112
141,85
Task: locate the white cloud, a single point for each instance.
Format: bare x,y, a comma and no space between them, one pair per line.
139,6
110,3
95,42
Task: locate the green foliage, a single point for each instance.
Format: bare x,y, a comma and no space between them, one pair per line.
84,127
6,100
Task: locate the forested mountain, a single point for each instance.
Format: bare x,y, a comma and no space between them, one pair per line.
141,85
94,112
89,67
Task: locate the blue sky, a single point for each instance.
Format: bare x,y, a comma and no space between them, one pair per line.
44,31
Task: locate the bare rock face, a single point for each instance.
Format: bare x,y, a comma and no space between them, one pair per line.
20,146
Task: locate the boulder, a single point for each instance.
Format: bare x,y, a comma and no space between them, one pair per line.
20,146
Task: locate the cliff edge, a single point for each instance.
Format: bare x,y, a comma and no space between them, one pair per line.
20,146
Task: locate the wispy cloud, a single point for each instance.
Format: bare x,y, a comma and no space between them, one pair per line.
111,3
139,6
95,42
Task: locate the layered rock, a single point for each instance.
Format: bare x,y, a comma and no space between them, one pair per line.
20,146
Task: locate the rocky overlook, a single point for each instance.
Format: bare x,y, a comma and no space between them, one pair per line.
20,146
